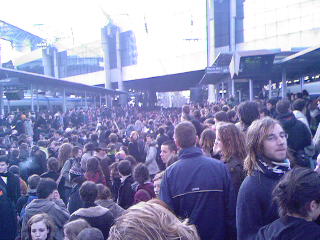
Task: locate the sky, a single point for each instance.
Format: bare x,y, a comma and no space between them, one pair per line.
170,23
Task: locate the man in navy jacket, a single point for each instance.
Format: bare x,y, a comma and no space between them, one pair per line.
199,188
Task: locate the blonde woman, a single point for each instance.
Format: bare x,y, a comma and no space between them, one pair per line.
147,220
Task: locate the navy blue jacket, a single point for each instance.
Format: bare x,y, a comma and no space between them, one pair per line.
199,188
255,207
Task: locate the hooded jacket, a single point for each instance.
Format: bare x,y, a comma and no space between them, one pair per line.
55,209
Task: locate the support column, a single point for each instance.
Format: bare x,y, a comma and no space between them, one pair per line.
32,102
64,106
106,59
233,14
284,84
211,93
94,102
38,107
240,97
85,100
232,88
222,89
250,90
100,101
1,101
301,83
55,63
47,61
270,86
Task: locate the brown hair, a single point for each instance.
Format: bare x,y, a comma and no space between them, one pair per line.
65,152
73,228
47,221
233,142
257,132
207,138
185,134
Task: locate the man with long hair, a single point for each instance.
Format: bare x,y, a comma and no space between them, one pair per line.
266,163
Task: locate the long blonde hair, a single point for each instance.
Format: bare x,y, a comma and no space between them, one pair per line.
147,220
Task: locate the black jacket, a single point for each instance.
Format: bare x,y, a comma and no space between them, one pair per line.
292,228
12,187
126,193
75,201
8,217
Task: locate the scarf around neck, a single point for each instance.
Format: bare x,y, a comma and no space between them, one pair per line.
275,168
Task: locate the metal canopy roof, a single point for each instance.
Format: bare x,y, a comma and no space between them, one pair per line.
12,77
19,38
302,63
219,69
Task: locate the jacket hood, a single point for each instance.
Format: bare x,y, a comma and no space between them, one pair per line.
96,211
39,205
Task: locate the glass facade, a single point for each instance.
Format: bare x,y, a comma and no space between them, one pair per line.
285,24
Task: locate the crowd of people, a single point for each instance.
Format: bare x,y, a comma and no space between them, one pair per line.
206,171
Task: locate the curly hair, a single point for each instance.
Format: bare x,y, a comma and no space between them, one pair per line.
147,220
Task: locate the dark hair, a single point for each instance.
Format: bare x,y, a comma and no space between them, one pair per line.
88,192
141,173
113,137
4,158
248,112
185,134
264,110
186,109
231,114
90,233
45,187
93,165
283,106
296,190
298,104
221,116
89,147
171,145
75,151
272,101
131,159
161,130
33,181
103,192
53,164
124,167
94,137
14,169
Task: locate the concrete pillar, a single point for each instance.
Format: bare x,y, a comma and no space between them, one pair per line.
301,83
222,89
100,101
212,97
1,101
38,107
250,90
104,42
64,105
232,88
233,14
270,86
85,100
240,96
284,84
56,71
47,61
94,102
32,102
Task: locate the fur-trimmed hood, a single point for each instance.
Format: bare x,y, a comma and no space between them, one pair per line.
96,211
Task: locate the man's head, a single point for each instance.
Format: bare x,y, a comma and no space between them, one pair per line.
168,148
4,163
299,104
33,181
185,135
124,168
88,192
46,188
90,234
271,103
283,107
266,139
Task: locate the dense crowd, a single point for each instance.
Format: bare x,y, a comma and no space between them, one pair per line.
207,171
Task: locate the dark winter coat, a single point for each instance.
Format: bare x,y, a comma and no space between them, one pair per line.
114,208
75,201
235,167
97,216
144,193
12,187
8,217
126,193
292,228
199,188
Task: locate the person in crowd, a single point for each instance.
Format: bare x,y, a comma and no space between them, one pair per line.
266,163
168,149
104,199
9,181
53,173
207,139
94,172
65,153
8,216
247,113
297,196
271,106
73,228
96,216
136,147
151,155
299,110
161,138
90,234
115,180
157,183
38,163
113,138
76,180
144,190
232,116
299,136
33,181
48,202
151,221
88,153
230,145
221,116
41,227
16,171
214,214
125,193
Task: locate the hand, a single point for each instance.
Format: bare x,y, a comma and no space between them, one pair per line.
56,195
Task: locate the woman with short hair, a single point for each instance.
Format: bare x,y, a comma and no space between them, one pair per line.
40,227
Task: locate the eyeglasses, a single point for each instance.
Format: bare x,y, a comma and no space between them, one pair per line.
274,138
